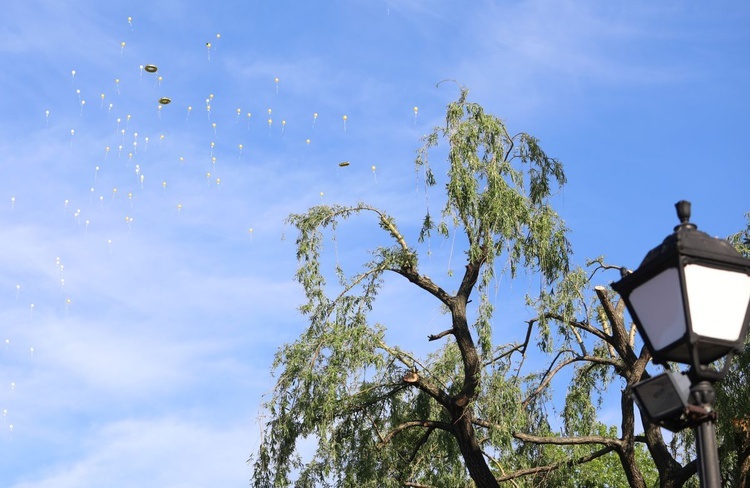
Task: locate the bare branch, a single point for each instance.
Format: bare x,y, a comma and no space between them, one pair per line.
434,337
551,372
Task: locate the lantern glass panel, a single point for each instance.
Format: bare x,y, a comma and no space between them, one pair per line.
718,301
663,395
658,304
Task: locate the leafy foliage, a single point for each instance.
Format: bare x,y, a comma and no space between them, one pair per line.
474,411
732,394
378,415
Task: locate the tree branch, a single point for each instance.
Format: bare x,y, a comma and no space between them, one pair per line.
426,386
431,424
434,337
620,336
424,282
552,467
570,441
551,372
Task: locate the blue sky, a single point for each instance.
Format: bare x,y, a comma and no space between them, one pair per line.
140,315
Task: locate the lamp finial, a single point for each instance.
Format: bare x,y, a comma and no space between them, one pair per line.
683,211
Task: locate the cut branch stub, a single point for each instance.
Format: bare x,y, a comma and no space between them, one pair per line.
411,377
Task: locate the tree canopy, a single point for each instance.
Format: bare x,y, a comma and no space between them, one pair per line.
473,411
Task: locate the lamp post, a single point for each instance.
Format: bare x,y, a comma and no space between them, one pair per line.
690,301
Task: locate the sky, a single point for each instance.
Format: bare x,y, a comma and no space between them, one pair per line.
146,271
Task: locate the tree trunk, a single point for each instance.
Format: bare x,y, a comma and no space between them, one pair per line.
473,458
743,467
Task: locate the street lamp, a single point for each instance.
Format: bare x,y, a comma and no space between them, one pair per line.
663,399
690,301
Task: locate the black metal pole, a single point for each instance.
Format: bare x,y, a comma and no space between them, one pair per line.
703,395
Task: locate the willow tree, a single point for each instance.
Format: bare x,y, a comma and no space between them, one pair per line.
378,414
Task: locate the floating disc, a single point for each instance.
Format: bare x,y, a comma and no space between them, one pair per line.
151,68
165,100
344,163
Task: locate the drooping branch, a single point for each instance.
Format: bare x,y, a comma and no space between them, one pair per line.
570,441
552,467
552,371
422,441
429,424
585,326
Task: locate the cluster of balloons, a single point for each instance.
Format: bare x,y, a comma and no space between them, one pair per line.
134,160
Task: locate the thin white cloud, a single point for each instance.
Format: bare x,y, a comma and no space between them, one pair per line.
162,452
